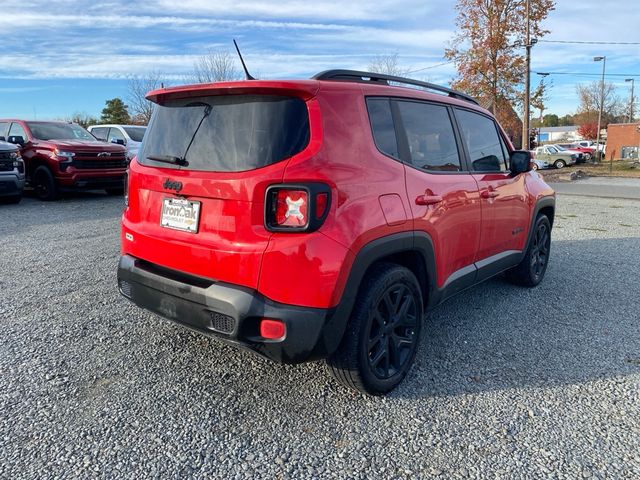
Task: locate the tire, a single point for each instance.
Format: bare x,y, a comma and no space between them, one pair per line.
534,167
11,199
530,271
116,192
383,333
587,157
559,164
44,184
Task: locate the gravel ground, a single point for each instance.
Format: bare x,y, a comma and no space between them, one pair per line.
509,382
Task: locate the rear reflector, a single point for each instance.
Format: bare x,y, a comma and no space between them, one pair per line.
272,329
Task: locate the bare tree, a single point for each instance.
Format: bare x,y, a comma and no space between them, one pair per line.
216,66
141,108
388,64
591,98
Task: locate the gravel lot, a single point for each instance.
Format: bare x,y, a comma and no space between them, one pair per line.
508,383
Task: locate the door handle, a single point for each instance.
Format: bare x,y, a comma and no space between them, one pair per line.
428,199
489,194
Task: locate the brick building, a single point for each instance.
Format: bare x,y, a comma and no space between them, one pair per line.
623,140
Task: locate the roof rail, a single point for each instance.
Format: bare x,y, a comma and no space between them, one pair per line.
357,76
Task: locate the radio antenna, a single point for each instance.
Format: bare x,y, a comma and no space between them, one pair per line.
246,72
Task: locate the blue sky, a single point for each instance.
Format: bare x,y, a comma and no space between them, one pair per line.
65,56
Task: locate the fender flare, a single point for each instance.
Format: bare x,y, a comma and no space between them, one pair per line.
369,254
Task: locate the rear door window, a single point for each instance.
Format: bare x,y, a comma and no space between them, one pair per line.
430,135
226,133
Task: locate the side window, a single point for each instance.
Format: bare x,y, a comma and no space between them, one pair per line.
430,135
100,133
552,150
16,130
483,142
116,134
384,132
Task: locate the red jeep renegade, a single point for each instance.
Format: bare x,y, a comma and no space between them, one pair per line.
322,218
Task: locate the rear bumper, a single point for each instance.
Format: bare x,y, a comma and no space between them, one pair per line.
11,184
228,312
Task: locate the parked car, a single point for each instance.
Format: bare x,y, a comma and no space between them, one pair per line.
322,218
579,155
64,156
555,157
127,135
586,152
11,173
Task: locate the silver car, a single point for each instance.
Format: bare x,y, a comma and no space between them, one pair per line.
128,135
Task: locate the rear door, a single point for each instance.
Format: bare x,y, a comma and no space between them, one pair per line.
443,196
504,200
196,201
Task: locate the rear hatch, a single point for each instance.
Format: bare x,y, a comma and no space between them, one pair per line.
197,189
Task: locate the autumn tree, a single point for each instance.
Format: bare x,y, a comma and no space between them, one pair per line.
388,64
138,87
488,49
588,131
115,111
216,66
540,96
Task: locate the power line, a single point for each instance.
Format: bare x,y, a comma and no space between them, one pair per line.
430,67
589,43
593,74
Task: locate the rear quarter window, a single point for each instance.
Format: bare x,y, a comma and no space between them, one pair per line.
382,126
227,133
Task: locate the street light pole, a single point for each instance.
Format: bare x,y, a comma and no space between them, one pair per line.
632,99
604,63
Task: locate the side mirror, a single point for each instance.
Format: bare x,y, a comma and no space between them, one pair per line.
18,140
118,141
520,161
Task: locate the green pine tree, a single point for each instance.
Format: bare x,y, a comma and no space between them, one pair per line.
115,111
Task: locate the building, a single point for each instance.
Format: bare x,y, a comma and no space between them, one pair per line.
559,134
623,140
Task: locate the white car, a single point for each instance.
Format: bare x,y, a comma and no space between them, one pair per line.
128,135
554,156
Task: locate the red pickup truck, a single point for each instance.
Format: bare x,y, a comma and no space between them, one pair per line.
62,156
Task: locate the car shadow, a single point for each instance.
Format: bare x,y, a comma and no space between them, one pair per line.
582,323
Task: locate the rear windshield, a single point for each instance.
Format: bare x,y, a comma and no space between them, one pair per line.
226,133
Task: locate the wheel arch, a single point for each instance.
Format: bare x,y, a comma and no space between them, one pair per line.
413,250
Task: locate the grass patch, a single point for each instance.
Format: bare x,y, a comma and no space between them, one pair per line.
621,168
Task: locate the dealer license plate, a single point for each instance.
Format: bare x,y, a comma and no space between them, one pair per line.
180,214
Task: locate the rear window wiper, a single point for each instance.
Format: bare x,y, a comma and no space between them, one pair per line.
172,159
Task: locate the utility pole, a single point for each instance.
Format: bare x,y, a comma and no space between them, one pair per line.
604,64
527,83
632,99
